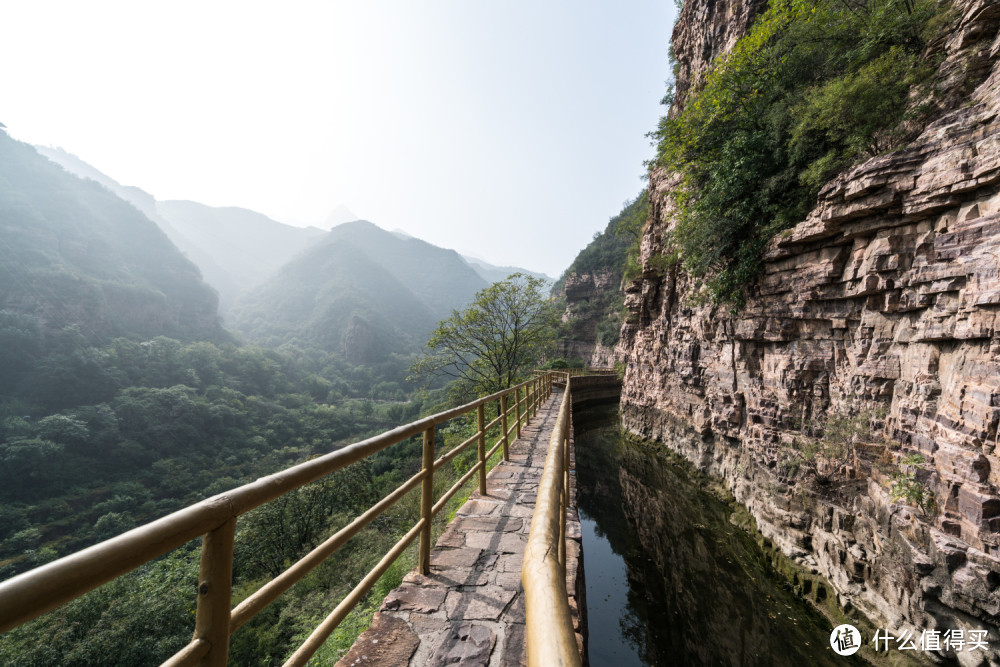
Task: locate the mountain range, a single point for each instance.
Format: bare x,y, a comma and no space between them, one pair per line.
73,254
237,249
360,291
356,291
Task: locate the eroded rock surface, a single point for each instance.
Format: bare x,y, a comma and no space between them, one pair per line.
887,294
587,304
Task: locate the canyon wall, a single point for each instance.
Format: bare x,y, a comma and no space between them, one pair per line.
587,303
886,296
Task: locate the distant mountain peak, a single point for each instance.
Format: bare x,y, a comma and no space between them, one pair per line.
493,273
340,215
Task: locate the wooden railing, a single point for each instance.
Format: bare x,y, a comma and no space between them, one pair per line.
33,593
550,638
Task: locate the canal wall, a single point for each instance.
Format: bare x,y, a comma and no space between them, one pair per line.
588,390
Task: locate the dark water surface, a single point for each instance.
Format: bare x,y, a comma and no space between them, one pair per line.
670,579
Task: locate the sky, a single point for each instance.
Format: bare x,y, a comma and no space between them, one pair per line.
510,130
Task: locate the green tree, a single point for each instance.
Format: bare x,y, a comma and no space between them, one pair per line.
509,328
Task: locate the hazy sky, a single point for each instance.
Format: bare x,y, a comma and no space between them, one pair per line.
510,130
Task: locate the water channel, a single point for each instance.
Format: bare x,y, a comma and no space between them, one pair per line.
671,580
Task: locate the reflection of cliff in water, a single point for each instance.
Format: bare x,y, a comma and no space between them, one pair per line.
700,589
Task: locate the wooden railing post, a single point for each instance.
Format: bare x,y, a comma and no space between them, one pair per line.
426,501
481,418
517,410
527,403
503,425
215,587
534,397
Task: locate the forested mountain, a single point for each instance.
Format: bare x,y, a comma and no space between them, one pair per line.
77,262
214,274
235,248
491,273
122,398
247,246
438,276
361,292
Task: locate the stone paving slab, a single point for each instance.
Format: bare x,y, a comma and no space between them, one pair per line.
470,610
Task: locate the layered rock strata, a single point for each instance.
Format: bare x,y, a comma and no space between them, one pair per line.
587,303
888,294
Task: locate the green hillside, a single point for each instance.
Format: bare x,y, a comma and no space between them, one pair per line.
77,261
361,292
246,246
595,314
235,248
212,272
337,299
437,276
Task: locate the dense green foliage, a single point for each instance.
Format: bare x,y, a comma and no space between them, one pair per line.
815,86
133,620
91,472
146,427
496,341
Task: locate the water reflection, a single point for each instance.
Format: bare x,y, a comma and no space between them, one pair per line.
670,580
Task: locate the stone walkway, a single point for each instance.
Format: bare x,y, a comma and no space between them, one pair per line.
470,609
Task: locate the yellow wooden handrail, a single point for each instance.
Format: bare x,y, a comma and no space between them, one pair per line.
550,638
32,593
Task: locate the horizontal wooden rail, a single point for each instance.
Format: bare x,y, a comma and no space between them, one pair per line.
37,591
270,591
330,623
550,638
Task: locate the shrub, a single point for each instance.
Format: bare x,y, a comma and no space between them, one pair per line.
813,87
907,488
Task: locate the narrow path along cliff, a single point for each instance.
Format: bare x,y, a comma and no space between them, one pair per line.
470,609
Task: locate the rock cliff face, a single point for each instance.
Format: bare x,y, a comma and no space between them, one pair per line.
887,294
587,296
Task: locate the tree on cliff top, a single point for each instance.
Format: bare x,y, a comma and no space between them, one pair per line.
491,344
